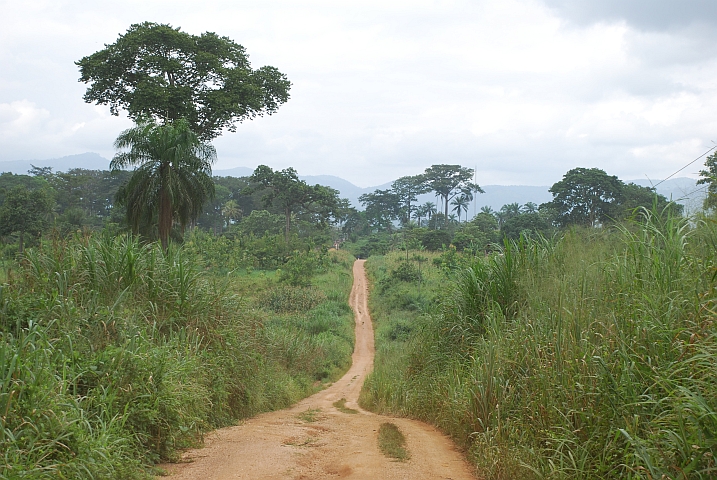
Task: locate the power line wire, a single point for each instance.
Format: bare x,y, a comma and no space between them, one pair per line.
697,190
678,171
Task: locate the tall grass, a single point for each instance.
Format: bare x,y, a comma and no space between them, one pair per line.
588,356
114,355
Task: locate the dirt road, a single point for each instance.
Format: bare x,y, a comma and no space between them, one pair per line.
284,445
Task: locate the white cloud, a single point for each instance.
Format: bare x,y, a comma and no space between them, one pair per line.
382,89
21,118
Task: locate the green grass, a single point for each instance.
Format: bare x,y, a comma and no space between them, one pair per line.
341,407
588,356
114,355
392,443
311,415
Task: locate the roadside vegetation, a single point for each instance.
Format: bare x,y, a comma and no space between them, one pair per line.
590,354
115,354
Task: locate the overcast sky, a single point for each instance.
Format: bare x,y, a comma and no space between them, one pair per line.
522,90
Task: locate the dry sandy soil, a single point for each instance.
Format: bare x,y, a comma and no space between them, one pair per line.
282,445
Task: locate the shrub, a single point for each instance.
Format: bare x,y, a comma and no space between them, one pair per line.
286,298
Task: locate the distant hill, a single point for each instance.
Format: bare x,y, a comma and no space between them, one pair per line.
233,172
89,161
682,190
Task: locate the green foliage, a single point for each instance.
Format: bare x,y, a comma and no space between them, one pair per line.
302,266
407,190
709,178
391,442
589,196
173,175
158,71
293,196
261,222
526,224
381,208
435,240
286,298
448,181
406,272
25,211
588,356
585,196
113,355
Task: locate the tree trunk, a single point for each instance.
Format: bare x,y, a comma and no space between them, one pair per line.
165,219
287,212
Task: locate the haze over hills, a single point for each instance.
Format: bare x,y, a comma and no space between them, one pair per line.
682,190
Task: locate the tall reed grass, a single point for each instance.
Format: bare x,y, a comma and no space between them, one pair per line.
114,355
592,355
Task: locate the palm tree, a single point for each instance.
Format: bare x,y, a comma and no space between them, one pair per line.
510,210
430,208
487,209
460,204
231,211
172,178
418,213
529,207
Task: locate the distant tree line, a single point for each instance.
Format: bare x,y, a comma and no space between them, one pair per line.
266,203
584,197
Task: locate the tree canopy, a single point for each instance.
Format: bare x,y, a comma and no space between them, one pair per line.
589,196
382,207
585,196
407,190
450,180
157,71
25,211
284,189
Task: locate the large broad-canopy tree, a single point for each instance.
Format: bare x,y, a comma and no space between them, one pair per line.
173,176
585,196
408,188
382,207
284,189
589,196
451,180
157,71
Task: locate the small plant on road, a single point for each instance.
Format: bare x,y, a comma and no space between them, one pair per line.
311,415
341,406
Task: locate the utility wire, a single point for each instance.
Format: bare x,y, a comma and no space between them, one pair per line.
697,190
678,171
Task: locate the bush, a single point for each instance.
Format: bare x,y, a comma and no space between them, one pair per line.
406,272
286,298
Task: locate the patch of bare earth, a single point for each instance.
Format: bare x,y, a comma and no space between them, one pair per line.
315,440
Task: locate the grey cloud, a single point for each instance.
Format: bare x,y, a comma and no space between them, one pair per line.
641,14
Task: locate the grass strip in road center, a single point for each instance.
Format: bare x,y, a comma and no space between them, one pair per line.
392,443
341,406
